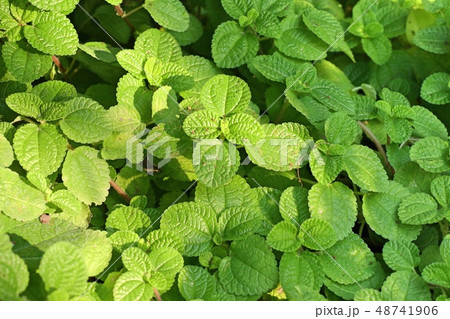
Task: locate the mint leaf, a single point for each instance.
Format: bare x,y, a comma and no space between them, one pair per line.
195,224
225,95
232,46
6,152
405,285
18,200
62,268
250,269
435,88
336,204
400,255
283,237
43,35
86,175
40,149
364,168
170,14
14,276
195,283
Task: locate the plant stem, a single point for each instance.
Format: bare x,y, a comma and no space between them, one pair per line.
127,14
58,64
120,191
157,295
377,145
122,14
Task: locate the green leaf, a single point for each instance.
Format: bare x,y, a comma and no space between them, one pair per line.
433,39
166,261
232,46
336,204
242,127
14,276
283,147
297,41
132,61
427,124
165,107
348,260
96,250
332,96
18,200
440,188
225,95
128,218
283,237
6,152
379,49
215,162
317,234
250,269
195,224
62,267
294,205
25,63
238,222
364,168
52,33
405,286
136,260
168,73
170,14
435,89
437,274
86,175
193,33
40,149
236,193
274,67
327,28
431,153
55,91
195,283
158,44
63,6
418,209
161,238
236,8
86,121
401,255
300,269
368,295
341,129
130,286
202,124
380,212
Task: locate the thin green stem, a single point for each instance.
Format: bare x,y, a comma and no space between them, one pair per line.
128,13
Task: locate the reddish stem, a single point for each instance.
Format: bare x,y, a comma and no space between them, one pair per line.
121,14
120,191
58,64
157,295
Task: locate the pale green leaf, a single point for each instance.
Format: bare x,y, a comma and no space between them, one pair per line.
195,283
195,224
40,149
433,39
294,205
130,286
158,44
202,124
431,153
86,121
52,33
6,152
14,275
63,6
341,129
128,218
62,267
86,175
242,127
18,200
418,209
238,222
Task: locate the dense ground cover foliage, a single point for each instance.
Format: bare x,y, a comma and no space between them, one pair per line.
224,150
